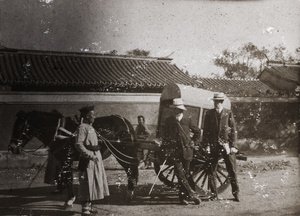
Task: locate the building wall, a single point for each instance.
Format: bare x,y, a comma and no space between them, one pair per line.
125,105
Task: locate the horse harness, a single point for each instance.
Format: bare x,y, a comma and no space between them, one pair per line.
109,145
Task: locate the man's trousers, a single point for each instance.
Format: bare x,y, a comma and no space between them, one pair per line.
185,180
230,162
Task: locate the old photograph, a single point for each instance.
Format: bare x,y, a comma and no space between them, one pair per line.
150,107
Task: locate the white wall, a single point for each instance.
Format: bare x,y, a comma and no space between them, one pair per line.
128,105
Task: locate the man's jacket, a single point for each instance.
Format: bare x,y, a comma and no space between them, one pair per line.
177,136
215,131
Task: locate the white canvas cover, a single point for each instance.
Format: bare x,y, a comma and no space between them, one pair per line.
191,96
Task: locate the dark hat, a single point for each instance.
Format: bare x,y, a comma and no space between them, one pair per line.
85,110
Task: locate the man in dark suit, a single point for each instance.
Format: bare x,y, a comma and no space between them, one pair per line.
179,144
220,134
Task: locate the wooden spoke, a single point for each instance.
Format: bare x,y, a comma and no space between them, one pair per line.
219,179
200,176
223,174
171,170
204,180
168,167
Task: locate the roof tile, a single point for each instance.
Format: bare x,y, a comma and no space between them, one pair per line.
40,68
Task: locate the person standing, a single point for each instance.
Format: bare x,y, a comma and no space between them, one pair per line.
142,133
92,177
220,134
179,147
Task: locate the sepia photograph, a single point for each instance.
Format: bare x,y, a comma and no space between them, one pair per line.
150,107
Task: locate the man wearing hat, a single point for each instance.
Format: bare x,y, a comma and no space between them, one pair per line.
179,145
92,177
220,134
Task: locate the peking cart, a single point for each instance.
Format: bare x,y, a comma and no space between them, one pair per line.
197,102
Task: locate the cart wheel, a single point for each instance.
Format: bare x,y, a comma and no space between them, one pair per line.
202,175
167,175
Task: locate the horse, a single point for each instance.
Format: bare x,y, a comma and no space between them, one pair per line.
57,133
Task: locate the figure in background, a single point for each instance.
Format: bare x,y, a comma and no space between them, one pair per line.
142,133
179,147
92,176
219,133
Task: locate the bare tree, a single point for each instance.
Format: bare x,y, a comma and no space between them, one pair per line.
249,60
138,52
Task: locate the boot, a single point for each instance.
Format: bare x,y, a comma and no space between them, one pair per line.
129,195
86,209
195,199
236,196
69,203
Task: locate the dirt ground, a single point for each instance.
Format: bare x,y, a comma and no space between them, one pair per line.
269,186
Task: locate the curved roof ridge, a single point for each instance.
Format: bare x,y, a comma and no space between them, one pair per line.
84,54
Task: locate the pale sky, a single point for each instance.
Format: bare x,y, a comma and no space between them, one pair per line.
192,30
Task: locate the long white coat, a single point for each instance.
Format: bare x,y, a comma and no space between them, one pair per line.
93,181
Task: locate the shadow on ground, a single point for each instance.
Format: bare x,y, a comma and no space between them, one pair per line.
40,200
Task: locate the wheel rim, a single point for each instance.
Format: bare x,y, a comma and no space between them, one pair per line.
202,176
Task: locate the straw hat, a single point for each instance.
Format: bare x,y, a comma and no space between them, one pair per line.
178,103
219,96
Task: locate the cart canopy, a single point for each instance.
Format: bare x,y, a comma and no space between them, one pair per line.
191,96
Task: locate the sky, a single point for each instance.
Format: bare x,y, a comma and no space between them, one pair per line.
190,32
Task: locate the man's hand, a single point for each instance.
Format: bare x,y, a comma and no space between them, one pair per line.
233,150
192,144
207,149
158,142
96,159
196,148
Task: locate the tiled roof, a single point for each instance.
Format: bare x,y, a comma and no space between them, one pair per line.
57,71
284,77
237,87
287,72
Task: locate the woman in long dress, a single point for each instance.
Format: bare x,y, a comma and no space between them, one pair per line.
92,177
